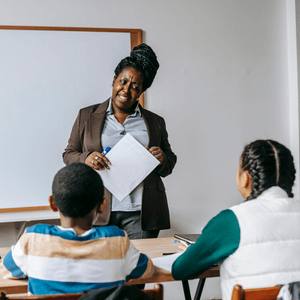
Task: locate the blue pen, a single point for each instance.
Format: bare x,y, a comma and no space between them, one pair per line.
182,242
106,150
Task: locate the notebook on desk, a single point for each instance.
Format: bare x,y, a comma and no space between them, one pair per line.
189,238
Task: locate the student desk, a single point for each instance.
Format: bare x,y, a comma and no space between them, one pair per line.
151,247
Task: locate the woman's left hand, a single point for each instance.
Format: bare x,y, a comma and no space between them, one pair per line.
157,153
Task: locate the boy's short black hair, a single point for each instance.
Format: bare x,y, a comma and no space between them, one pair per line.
77,189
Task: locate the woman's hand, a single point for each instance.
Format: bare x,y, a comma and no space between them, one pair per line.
97,161
157,153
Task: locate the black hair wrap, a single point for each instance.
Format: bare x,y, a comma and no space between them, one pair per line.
143,59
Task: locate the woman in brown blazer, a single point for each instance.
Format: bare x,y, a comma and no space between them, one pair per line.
145,211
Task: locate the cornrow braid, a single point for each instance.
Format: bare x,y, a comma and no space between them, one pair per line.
287,173
276,161
269,163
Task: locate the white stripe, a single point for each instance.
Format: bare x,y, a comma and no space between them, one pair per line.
19,257
71,270
131,258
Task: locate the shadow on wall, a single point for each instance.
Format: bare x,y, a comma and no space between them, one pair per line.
170,232
11,231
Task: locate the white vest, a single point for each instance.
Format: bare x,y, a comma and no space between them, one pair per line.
269,249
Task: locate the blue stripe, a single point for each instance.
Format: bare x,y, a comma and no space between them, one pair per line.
96,232
11,266
140,268
46,287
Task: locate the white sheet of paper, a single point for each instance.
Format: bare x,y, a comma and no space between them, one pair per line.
131,163
165,262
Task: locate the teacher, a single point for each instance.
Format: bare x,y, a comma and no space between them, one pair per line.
144,212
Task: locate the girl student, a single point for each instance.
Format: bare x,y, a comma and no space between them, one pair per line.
258,241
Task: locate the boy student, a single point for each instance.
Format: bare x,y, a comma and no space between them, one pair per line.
75,256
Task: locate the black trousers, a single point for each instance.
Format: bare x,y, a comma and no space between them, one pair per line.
131,223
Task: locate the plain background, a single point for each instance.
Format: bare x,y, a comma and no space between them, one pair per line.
228,76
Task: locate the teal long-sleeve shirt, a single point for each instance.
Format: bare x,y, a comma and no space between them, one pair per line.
219,239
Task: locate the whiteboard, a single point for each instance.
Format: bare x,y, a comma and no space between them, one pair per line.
46,76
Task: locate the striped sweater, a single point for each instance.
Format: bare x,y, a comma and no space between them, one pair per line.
57,261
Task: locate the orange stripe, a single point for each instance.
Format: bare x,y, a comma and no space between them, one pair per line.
56,247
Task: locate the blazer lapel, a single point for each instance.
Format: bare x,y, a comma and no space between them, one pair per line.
95,125
151,127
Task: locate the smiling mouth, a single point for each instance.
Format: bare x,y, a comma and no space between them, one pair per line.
124,98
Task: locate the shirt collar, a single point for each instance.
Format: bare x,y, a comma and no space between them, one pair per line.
72,229
109,111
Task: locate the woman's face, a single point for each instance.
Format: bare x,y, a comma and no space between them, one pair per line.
127,88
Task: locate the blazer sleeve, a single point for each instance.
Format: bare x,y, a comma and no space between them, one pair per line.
74,151
167,166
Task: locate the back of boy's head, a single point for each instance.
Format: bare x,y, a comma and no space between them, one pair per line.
77,189
269,163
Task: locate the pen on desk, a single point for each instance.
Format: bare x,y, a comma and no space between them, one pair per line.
182,242
106,150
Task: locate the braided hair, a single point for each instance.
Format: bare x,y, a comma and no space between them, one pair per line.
269,163
144,60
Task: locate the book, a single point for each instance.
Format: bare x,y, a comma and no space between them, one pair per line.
189,238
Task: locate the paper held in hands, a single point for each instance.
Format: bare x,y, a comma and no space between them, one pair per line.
131,163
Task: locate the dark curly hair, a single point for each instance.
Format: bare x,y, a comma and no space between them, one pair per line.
269,163
144,60
77,189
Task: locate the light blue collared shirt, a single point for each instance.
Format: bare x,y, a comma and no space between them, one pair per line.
112,133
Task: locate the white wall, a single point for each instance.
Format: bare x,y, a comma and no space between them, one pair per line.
223,82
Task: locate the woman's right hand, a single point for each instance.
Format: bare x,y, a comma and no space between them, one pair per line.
97,161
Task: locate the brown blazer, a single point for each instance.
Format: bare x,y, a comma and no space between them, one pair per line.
85,139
